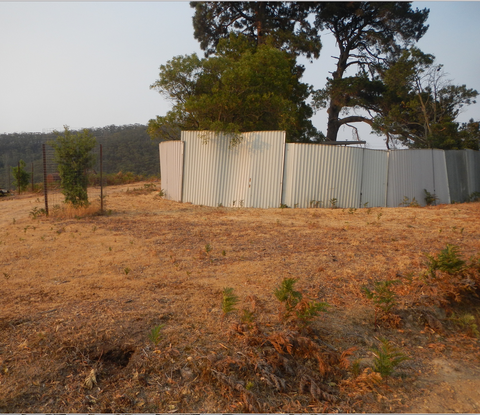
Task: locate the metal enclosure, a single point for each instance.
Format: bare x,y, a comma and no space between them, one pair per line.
171,169
248,174
262,171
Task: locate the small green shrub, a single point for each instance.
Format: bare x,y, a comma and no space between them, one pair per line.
73,154
467,322
409,203
285,293
306,311
36,212
448,260
155,334
229,301
382,296
473,197
21,178
430,198
387,358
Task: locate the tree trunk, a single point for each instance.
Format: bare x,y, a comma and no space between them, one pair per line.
335,107
333,123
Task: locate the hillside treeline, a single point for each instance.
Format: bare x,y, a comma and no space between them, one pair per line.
126,148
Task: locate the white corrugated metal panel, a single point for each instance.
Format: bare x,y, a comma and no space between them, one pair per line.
248,174
315,175
374,178
410,172
171,169
440,177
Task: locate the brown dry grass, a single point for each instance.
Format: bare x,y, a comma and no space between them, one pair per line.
79,298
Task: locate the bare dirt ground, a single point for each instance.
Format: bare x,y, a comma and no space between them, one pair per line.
80,296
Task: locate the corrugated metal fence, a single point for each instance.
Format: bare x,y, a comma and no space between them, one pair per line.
263,171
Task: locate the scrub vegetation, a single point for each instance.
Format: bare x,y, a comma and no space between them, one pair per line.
288,310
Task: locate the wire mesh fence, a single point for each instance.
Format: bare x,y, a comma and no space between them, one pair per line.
52,181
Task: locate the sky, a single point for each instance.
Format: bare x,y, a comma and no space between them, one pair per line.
91,64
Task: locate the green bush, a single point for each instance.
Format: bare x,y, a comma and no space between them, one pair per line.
73,153
21,178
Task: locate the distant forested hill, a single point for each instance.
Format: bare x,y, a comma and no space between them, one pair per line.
126,148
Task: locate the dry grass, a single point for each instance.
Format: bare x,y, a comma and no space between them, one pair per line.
81,296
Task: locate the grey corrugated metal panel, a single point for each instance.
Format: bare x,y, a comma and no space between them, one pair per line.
374,178
203,177
171,169
456,161
440,177
409,173
266,152
248,174
315,175
473,170
288,175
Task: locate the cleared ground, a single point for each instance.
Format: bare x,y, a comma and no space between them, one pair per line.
80,296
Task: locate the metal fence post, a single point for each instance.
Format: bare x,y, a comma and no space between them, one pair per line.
101,178
45,192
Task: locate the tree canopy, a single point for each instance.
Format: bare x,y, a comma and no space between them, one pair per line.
419,105
284,24
244,87
366,33
249,79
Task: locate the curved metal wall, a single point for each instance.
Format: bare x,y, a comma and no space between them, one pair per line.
262,171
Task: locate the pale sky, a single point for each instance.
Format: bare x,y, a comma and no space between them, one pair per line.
90,64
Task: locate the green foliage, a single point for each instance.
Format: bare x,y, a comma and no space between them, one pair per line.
409,203
420,106
126,270
285,25
304,310
243,88
307,310
448,260
387,358
466,321
366,34
36,212
286,293
381,295
21,178
208,248
247,316
229,300
73,154
155,334
473,197
430,198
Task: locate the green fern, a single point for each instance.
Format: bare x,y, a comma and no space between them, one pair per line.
382,296
229,301
448,260
387,358
286,294
155,334
307,311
